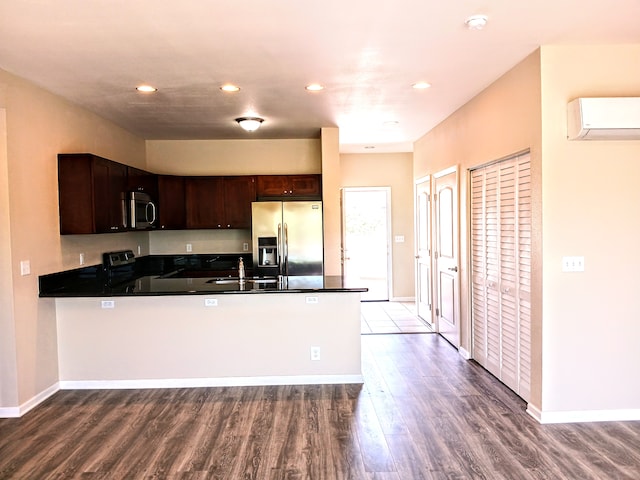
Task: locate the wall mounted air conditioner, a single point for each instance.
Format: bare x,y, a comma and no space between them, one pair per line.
611,118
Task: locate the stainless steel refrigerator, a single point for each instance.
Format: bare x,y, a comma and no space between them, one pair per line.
287,238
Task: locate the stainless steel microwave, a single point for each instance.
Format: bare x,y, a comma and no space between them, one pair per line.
142,211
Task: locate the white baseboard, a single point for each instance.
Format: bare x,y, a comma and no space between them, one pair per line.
210,382
15,412
9,412
402,299
464,353
584,416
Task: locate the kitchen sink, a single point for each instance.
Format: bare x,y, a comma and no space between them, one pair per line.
234,280
223,281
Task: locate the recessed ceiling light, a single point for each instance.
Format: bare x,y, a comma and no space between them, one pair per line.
230,88
476,22
146,89
421,85
391,123
314,87
369,147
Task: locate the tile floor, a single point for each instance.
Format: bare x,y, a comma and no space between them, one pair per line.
391,317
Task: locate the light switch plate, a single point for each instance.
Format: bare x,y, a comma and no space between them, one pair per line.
25,267
573,264
399,238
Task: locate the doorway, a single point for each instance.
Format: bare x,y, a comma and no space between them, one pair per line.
445,236
366,240
424,289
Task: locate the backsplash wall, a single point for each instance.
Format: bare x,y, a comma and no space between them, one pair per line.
167,242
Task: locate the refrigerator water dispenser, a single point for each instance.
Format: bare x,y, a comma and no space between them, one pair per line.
267,251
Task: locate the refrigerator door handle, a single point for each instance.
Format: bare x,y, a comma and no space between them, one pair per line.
286,250
280,250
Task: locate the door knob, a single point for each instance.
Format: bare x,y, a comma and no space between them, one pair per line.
453,269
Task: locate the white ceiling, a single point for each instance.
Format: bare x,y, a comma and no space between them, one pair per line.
367,53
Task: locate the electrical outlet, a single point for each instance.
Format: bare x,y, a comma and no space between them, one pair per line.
82,259
189,247
108,304
210,302
245,247
311,299
315,353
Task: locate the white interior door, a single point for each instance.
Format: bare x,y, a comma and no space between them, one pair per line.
424,290
447,255
366,241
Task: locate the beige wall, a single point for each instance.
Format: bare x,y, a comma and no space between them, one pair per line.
502,120
586,200
210,343
394,170
331,201
591,207
234,157
8,366
38,127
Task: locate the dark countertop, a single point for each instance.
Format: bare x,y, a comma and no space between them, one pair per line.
180,275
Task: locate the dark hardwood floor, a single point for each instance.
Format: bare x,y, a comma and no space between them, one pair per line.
423,413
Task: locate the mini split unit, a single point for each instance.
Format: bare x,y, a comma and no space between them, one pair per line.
613,118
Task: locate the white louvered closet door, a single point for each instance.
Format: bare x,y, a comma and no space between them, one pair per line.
501,270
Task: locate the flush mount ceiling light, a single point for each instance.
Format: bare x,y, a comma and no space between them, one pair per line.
421,85
146,89
250,124
476,22
314,87
230,88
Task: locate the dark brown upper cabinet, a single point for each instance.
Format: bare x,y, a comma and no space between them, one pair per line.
204,200
219,202
239,192
171,202
91,193
300,187
142,181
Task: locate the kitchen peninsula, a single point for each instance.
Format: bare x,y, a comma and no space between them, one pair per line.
188,327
